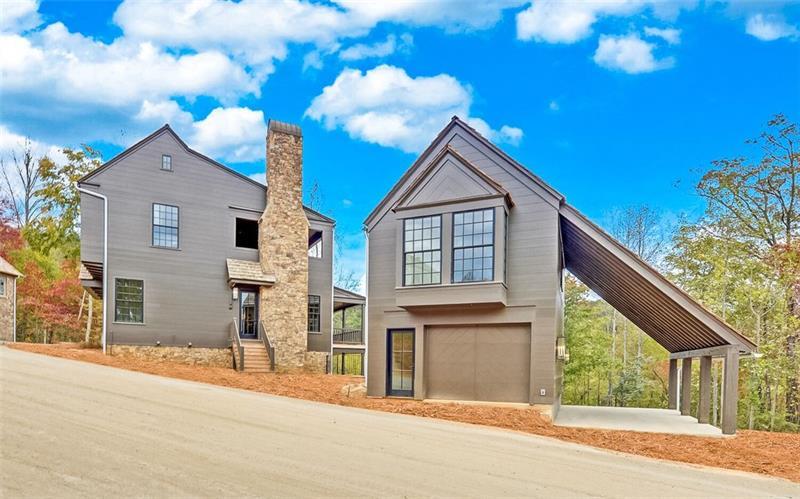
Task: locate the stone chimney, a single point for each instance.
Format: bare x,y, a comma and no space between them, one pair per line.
283,247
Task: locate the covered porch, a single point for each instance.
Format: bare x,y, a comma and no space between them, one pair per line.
664,312
349,347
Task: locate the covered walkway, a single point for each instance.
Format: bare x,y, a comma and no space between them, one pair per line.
659,308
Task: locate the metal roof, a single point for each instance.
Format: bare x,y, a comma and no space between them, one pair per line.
639,292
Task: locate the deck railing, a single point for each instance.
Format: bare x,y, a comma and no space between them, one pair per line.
262,332
236,345
348,336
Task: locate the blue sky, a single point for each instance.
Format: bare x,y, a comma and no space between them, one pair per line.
613,102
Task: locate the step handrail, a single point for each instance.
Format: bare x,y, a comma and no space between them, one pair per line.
267,344
236,343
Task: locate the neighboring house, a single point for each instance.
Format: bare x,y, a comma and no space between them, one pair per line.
465,281
8,300
202,258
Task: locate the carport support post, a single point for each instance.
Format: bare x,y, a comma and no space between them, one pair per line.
730,400
704,402
686,386
673,384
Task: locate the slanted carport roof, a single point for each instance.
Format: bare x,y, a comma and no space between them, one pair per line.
639,292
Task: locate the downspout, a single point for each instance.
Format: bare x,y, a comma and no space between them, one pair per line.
365,310
14,321
105,258
333,292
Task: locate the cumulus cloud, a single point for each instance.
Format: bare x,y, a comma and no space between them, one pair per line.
388,47
388,107
19,15
770,27
234,134
670,35
629,54
554,106
556,21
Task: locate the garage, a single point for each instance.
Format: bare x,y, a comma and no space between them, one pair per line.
478,362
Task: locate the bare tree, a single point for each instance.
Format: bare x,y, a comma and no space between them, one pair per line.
20,185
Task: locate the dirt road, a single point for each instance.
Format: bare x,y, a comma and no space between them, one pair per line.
76,429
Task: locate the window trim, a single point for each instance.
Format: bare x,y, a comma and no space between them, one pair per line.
144,301
235,222
170,169
319,315
453,245
405,253
153,227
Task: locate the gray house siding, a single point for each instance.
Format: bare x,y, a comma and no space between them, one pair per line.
186,294
533,275
320,283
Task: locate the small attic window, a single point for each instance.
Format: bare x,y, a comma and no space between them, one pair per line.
246,233
166,162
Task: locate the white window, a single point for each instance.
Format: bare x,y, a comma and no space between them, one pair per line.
166,162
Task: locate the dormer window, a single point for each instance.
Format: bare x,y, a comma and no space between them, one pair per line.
473,246
166,162
422,251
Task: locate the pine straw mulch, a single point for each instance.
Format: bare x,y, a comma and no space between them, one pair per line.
753,451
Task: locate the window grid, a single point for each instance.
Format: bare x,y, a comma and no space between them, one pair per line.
473,246
166,162
422,251
129,301
165,226
313,313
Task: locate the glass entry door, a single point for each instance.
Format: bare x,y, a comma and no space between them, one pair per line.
248,313
401,362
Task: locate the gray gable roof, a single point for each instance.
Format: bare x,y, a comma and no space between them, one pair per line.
8,269
312,214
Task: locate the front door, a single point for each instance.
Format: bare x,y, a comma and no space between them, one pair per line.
400,344
248,313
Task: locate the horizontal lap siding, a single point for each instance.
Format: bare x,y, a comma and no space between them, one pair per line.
533,273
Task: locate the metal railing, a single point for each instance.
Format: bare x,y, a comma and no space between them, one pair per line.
262,332
351,336
236,345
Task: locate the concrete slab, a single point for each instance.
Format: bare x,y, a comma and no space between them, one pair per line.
634,419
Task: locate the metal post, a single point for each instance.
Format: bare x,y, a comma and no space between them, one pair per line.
673,384
704,400
686,386
730,390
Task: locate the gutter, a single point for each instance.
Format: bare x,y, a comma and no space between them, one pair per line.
105,258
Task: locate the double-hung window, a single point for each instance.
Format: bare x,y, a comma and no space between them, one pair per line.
165,226
422,250
166,162
473,246
129,301
313,313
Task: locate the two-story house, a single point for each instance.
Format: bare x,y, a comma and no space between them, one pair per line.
206,264
465,300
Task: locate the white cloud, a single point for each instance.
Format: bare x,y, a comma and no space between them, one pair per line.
347,203
630,54
381,49
233,134
554,106
770,27
670,35
14,143
388,107
556,21
19,15
158,113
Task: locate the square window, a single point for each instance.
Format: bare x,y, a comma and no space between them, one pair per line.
246,233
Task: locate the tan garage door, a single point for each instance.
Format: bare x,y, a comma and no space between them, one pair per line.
478,363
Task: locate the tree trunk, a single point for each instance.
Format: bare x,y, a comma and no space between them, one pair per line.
793,383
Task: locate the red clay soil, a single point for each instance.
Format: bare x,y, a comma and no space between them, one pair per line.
754,451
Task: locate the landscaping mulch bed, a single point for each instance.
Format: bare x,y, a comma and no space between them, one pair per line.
754,451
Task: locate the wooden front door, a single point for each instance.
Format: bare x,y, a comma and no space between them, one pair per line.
248,313
400,376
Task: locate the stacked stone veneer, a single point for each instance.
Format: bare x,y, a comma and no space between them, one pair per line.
7,310
213,357
283,248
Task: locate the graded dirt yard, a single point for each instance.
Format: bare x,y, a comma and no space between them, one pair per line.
753,451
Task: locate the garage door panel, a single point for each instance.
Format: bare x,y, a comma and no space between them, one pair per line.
490,363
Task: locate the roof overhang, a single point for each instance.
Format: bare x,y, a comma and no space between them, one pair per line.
245,272
639,292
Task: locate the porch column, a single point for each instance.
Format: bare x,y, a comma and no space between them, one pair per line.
686,386
730,389
704,402
672,389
